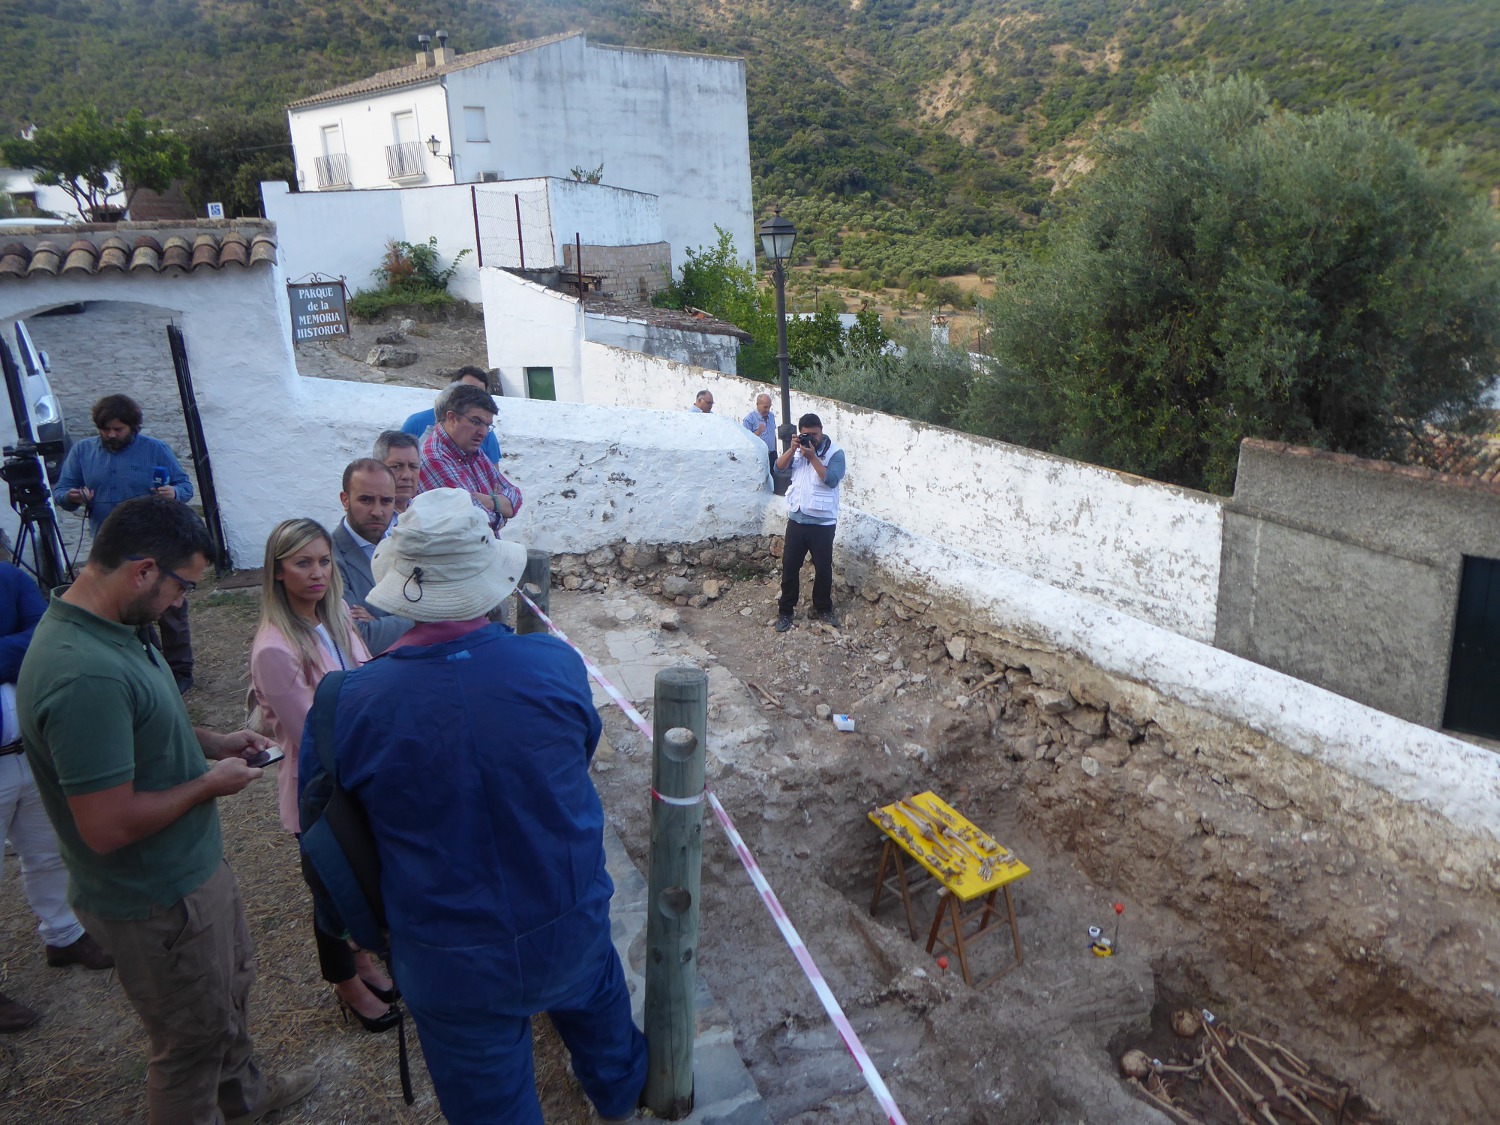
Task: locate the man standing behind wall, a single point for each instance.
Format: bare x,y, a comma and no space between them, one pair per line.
422,421
812,502
121,463
453,457
762,423
127,783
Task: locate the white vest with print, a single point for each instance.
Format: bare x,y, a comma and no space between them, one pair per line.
809,495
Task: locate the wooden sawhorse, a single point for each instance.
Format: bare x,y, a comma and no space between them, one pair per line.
954,853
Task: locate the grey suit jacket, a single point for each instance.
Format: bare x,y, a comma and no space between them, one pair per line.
354,568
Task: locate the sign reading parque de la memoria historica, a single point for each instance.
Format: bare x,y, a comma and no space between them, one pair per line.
317,310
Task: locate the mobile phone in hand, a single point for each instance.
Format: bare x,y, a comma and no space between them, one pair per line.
266,758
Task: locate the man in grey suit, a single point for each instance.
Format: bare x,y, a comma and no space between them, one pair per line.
369,498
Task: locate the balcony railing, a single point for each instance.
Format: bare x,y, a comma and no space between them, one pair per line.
404,161
333,170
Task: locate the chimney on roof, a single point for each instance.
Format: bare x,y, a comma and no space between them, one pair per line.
442,55
424,52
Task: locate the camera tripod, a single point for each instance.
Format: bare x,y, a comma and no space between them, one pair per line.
49,565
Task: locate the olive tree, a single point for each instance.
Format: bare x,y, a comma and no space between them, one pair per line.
95,161
1231,270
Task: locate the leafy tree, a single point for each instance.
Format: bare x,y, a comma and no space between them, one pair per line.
229,157
809,338
84,154
718,281
920,378
1232,270
867,334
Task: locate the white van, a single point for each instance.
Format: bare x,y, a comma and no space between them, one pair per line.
46,413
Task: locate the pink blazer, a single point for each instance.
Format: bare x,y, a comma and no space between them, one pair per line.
285,696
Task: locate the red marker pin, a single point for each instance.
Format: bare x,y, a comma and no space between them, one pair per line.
943,963
1119,910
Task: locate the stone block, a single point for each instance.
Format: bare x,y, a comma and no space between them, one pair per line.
1051,702
384,355
674,586
637,556
1086,720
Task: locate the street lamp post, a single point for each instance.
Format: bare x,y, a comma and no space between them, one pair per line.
776,238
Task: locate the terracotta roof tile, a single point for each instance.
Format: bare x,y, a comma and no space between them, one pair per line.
127,247
414,75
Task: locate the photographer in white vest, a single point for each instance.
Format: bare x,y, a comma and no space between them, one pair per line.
816,466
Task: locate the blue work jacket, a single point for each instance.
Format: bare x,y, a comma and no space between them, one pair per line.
471,758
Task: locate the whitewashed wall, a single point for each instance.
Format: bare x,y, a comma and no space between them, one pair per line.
529,325
698,349
602,215
279,442
344,233
669,124
1459,781
366,128
1147,549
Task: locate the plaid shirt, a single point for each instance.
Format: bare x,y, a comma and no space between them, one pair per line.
444,465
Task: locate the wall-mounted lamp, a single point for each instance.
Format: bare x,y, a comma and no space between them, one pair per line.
433,144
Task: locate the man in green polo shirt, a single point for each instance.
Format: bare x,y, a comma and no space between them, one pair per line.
130,786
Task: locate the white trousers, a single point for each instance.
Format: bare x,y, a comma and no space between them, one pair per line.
43,876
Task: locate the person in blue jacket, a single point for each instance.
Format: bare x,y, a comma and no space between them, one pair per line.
469,748
100,473
23,820
423,420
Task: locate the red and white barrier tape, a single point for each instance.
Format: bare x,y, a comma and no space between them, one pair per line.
768,896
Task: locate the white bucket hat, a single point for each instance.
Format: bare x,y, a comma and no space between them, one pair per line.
441,562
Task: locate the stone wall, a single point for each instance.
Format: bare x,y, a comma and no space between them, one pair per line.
631,273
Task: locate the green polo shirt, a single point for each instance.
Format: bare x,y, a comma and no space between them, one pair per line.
98,708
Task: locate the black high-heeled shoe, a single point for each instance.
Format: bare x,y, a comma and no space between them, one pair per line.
373,1024
386,995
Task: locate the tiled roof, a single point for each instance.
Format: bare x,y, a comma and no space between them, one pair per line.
684,320
94,248
1478,467
412,74
1461,455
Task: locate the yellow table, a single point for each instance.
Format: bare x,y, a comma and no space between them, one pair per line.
965,861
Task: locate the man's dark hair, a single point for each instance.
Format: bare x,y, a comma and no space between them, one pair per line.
464,398
470,371
117,408
389,440
152,527
809,420
364,465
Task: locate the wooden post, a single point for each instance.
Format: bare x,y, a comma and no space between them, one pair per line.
536,581
680,716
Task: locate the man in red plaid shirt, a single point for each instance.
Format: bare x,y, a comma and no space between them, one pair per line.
452,457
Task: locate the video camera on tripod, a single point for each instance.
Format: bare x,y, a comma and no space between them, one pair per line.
25,472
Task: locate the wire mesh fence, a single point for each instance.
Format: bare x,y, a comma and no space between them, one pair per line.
514,228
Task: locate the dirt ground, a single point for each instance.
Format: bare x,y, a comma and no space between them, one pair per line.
442,345
85,1062
1037,1046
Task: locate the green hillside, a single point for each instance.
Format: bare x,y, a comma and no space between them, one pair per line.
908,137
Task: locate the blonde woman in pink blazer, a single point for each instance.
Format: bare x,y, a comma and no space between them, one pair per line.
305,633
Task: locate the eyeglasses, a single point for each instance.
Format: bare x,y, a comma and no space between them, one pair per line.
478,423
187,587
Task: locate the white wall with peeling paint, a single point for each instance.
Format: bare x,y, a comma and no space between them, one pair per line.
1147,549
278,442
1453,778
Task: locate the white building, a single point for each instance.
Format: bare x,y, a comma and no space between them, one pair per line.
536,335
661,122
